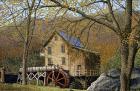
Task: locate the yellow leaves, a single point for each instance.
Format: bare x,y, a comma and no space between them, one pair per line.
66,5
15,1
82,4
46,1
133,38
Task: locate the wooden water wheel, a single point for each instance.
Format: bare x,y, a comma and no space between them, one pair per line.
58,78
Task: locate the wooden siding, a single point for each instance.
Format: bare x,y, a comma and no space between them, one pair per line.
76,58
89,62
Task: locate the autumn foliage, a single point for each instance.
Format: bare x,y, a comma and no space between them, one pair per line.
95,38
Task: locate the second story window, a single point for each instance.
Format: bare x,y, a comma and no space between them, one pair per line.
63,48
49,50
50,61
63,61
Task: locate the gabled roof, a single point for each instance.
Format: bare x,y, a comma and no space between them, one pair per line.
74,41
71,40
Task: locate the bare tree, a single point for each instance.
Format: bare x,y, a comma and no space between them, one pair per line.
28,15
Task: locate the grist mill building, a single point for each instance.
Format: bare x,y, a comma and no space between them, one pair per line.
68,53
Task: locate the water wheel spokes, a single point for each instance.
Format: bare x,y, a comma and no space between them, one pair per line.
58,78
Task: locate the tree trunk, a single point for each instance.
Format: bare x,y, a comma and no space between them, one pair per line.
24,71
124,58
24,59
128,53
25,51
27,39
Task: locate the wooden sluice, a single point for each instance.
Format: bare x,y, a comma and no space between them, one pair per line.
40,69
35,73
56,76
48,74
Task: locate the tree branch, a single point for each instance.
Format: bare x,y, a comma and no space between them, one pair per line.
107,24
43,6
100,1
128,18
112,15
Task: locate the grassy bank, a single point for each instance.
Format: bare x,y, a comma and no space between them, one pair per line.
17,87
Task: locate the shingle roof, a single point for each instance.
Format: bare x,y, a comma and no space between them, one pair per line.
71,40
74,41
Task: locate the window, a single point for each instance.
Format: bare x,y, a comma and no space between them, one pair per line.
63,61
78,67
62,48
78,72
50,61
49,50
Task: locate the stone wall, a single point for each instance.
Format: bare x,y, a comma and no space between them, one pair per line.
77,61
56,55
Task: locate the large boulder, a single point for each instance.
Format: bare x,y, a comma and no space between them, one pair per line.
110,81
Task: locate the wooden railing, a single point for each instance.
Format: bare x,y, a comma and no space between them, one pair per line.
92,72
87,73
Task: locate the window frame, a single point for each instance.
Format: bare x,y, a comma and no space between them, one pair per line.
50,62
63,60
63,50
49,50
